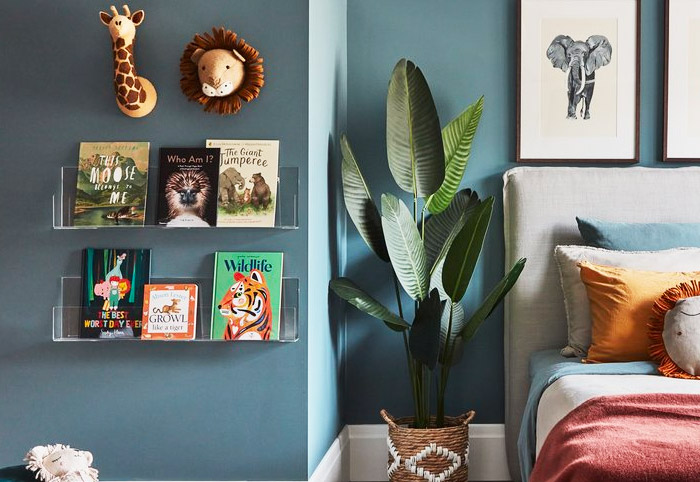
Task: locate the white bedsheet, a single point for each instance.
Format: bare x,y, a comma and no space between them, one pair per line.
569,392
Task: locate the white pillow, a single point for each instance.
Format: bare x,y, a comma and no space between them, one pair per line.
578,315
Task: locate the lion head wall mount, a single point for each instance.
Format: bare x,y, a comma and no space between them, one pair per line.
220,70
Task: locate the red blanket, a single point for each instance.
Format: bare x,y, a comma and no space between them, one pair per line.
626,438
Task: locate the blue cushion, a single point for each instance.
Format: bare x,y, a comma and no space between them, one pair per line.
16,474
638,236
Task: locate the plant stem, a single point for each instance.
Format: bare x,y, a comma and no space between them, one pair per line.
398,292
444,371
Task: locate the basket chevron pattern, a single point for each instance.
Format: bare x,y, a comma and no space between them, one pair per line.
432,454
412,463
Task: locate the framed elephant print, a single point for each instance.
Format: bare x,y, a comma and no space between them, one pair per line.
578,81
682,86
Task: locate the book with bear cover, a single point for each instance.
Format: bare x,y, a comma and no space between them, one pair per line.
112,183
169,312
247,296
112,292
248,171
189,179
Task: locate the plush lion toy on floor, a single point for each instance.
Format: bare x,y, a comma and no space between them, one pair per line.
60,463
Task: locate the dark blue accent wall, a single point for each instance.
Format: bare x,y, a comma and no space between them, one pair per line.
196,411
465,48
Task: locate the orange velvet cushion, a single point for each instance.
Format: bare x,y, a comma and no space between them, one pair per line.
621,302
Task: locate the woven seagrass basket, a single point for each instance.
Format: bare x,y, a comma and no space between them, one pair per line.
432,454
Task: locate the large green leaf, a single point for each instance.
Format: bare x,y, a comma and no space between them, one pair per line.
436,279
413,138
457,138
405,247
356,296
424,336
359,204
442,228
465,250
492,300
458,320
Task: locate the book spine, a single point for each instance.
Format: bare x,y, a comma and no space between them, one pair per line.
213,297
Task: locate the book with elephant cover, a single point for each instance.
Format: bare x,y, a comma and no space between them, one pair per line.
189,179
112,183
112,292
169,312
247,296
248,171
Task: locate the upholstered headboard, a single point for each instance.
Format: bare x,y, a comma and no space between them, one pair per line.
540,207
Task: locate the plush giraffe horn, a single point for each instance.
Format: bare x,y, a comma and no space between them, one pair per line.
127,12
114,10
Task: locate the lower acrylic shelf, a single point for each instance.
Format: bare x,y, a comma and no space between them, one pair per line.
66,317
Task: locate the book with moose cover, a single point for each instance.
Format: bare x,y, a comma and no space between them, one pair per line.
248,171
169,312
112,292
247,296
112,184
189,179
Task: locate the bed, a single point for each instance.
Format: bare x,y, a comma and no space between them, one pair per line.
540,206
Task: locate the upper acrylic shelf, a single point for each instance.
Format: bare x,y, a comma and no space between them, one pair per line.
64,202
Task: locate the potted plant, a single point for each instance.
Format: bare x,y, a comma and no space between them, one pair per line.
432,250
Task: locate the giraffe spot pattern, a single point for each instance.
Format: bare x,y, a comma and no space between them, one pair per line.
130,92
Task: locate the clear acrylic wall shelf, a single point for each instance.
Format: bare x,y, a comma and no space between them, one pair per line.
66,317
286,213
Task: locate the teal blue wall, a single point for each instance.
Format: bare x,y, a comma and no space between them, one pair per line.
327,116
465,48
195,411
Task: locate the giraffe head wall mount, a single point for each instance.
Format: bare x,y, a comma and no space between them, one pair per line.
136,96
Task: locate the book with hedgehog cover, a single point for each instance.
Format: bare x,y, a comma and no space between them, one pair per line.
189,179
112,184
247,296
112,292
169,312
248,171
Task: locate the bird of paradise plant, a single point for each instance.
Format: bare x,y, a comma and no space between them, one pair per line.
432,248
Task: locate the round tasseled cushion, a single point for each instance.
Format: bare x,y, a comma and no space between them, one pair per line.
17,473
674,331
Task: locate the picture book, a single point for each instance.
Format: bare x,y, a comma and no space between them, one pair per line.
112,184
112,292
189,179
247,296
248,173
169,312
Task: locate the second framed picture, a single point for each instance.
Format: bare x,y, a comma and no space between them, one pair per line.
682,87
578,81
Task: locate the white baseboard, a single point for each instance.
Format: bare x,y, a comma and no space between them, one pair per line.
335,465
368,453
359,454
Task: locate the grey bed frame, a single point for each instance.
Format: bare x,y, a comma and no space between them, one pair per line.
540,207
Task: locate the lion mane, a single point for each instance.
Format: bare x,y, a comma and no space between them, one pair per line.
35,462
253,65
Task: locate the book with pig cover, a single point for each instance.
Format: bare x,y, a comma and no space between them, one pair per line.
247,296
112,292
248,171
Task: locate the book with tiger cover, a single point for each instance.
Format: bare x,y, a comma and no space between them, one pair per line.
112,292
169,312
112,183
189,179
247,296
248,171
